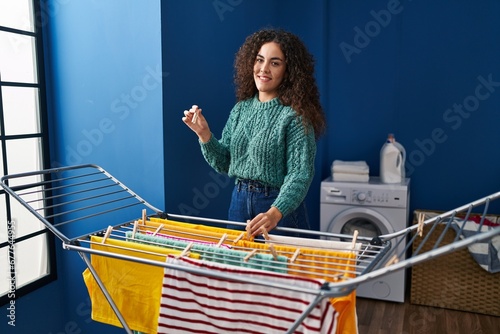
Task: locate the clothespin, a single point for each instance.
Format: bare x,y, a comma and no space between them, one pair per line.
393,260
354,239
246,229
107,234
144,216
134,230
222,239
264,233
186,250
238,238
249,255
157,230
273,252
195,117
420,222
337,277
295,255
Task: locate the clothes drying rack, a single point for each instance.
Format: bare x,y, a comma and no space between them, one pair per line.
78,202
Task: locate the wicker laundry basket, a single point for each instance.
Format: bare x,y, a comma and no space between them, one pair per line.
454,281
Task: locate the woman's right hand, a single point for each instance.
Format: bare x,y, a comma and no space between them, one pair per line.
197,122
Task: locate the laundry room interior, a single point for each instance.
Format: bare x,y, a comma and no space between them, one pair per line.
119,74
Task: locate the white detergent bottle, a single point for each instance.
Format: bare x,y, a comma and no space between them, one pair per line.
392,161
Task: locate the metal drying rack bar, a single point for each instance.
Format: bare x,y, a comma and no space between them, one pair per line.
78,202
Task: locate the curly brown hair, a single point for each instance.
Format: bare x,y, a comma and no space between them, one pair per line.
298,88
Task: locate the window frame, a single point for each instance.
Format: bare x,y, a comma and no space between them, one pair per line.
43,135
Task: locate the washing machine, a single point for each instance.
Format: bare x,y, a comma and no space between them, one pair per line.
373,208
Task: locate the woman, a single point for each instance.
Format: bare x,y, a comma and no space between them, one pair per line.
269,141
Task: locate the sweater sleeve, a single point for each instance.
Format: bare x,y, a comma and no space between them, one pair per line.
217,152
300,155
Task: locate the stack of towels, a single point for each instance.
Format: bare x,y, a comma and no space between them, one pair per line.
350,171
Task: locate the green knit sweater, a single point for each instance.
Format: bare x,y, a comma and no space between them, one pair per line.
267,142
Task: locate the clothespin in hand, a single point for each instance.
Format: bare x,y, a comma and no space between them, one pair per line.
264,233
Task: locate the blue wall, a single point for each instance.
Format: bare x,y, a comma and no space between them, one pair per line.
410,76
382,66
200,40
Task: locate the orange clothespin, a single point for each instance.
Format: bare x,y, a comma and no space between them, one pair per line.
249,255
222,239
107,234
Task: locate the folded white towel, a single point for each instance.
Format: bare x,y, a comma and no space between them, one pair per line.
353,167
314,243
349,177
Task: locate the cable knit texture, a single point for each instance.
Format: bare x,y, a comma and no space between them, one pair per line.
267,142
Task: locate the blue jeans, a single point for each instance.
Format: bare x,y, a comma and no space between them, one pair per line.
250,198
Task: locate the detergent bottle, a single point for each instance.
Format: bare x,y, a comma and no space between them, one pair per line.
392,161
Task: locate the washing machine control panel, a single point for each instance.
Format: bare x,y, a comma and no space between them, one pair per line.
364,195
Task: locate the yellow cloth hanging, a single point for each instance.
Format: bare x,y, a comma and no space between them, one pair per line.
188,230
134,287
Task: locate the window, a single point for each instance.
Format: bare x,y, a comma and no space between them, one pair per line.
27,256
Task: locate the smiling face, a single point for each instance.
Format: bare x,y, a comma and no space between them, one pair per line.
269,70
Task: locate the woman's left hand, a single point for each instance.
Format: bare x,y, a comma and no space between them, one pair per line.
267,220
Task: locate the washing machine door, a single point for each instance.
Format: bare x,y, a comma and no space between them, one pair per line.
368,222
